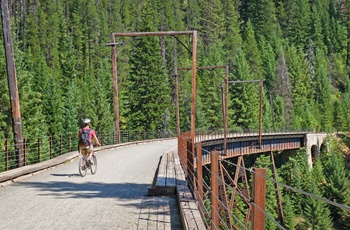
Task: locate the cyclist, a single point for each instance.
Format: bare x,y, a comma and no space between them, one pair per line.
86,147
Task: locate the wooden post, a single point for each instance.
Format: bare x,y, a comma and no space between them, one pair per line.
24,151
6,154
115,89
38,149
199,177
194,91
259,198
190,166
68,144
61,146
215,220
177,101
51,147
12,83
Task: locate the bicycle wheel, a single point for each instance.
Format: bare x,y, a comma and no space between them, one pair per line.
93,167
82,166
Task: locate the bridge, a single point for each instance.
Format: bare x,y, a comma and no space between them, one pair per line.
153,183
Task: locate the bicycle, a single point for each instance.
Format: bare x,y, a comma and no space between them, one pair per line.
85,165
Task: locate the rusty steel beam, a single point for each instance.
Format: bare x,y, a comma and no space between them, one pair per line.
115,89
160,33
226,109
260,112
215,218
12,83
199,178
194,89
203,67
177,110
259,198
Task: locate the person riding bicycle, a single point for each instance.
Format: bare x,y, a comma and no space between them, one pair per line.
85,136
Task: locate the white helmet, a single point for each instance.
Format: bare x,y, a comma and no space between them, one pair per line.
87,121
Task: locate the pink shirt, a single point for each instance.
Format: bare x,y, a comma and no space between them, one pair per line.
92,134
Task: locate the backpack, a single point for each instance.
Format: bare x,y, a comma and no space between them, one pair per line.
84,137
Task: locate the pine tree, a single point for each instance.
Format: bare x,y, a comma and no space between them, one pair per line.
295,173
269,63
323,90
148,93
209,87
317,214
244,96
262,15
337,185
288,212
282,88
300,76
212,21
252,52
339,118
232,39
298,30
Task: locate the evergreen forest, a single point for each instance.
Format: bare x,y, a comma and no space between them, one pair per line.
299,48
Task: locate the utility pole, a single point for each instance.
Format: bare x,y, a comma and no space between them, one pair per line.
12,83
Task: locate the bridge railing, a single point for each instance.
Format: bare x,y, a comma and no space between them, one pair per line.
40,149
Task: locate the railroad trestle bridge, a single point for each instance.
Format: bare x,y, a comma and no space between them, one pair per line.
205,148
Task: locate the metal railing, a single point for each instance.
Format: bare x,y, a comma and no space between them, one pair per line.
44,148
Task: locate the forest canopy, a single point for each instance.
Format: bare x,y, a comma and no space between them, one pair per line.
300,49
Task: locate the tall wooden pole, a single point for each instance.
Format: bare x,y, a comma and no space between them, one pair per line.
194,90
115,88
226,109
177,101
12,83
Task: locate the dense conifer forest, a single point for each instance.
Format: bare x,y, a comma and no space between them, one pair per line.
299,48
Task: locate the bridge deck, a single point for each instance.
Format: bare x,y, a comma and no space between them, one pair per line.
114,198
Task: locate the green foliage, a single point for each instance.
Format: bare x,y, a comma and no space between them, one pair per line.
245,96
63,45
148,93
337,184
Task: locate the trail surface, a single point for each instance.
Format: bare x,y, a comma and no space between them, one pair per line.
114,198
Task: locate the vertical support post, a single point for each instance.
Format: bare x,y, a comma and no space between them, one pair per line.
190,166
223,116
215,220
194,72
199,177
260,113
177,101
6,154
226,110
38,149
68,144
259,198
61,144
12,83
115,89
50,147
24,151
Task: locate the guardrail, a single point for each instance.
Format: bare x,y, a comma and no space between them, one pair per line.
45,148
